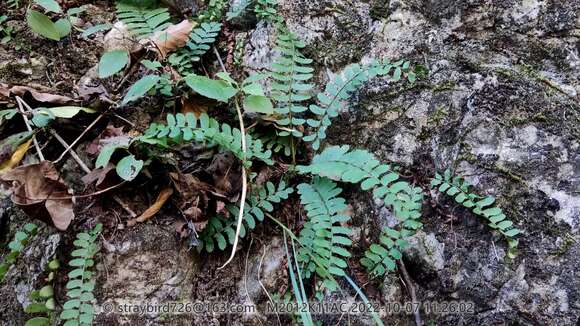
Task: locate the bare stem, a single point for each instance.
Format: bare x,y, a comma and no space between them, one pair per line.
23,113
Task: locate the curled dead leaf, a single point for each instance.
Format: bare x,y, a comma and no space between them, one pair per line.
153,209
7,91
41,193
172,38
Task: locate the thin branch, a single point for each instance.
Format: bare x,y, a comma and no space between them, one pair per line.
244,178
244,189
69,148
23,113
72,153
411,288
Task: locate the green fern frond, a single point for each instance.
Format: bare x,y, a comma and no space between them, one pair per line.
267,10
16,246
237,9
182,128
459,189
339,89
220,231
360,166
79,309
141,20
214,11
200,41
323,236
382,256
291,73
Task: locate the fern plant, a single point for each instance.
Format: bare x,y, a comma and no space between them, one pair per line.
360,166
143,21
459,189
200,41
290,72
339,88
16,246
42,301
181,128
79,309
381,257
220,231
323,236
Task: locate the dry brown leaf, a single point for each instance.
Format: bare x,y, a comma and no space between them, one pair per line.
99,175
39,191
196,105
7,91
16,157
172,38
106,137
153,209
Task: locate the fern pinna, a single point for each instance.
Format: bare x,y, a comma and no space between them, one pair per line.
259,202
16,246
339,88
323,237
382,256
291,73
199,42
79,309
458,188
360,166
142,20
266,9
181,128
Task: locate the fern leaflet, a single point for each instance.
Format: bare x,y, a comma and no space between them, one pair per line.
16,246
181,128
219,228
290,72
458,188
143,21
323,236
199,43
79,309
339,89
